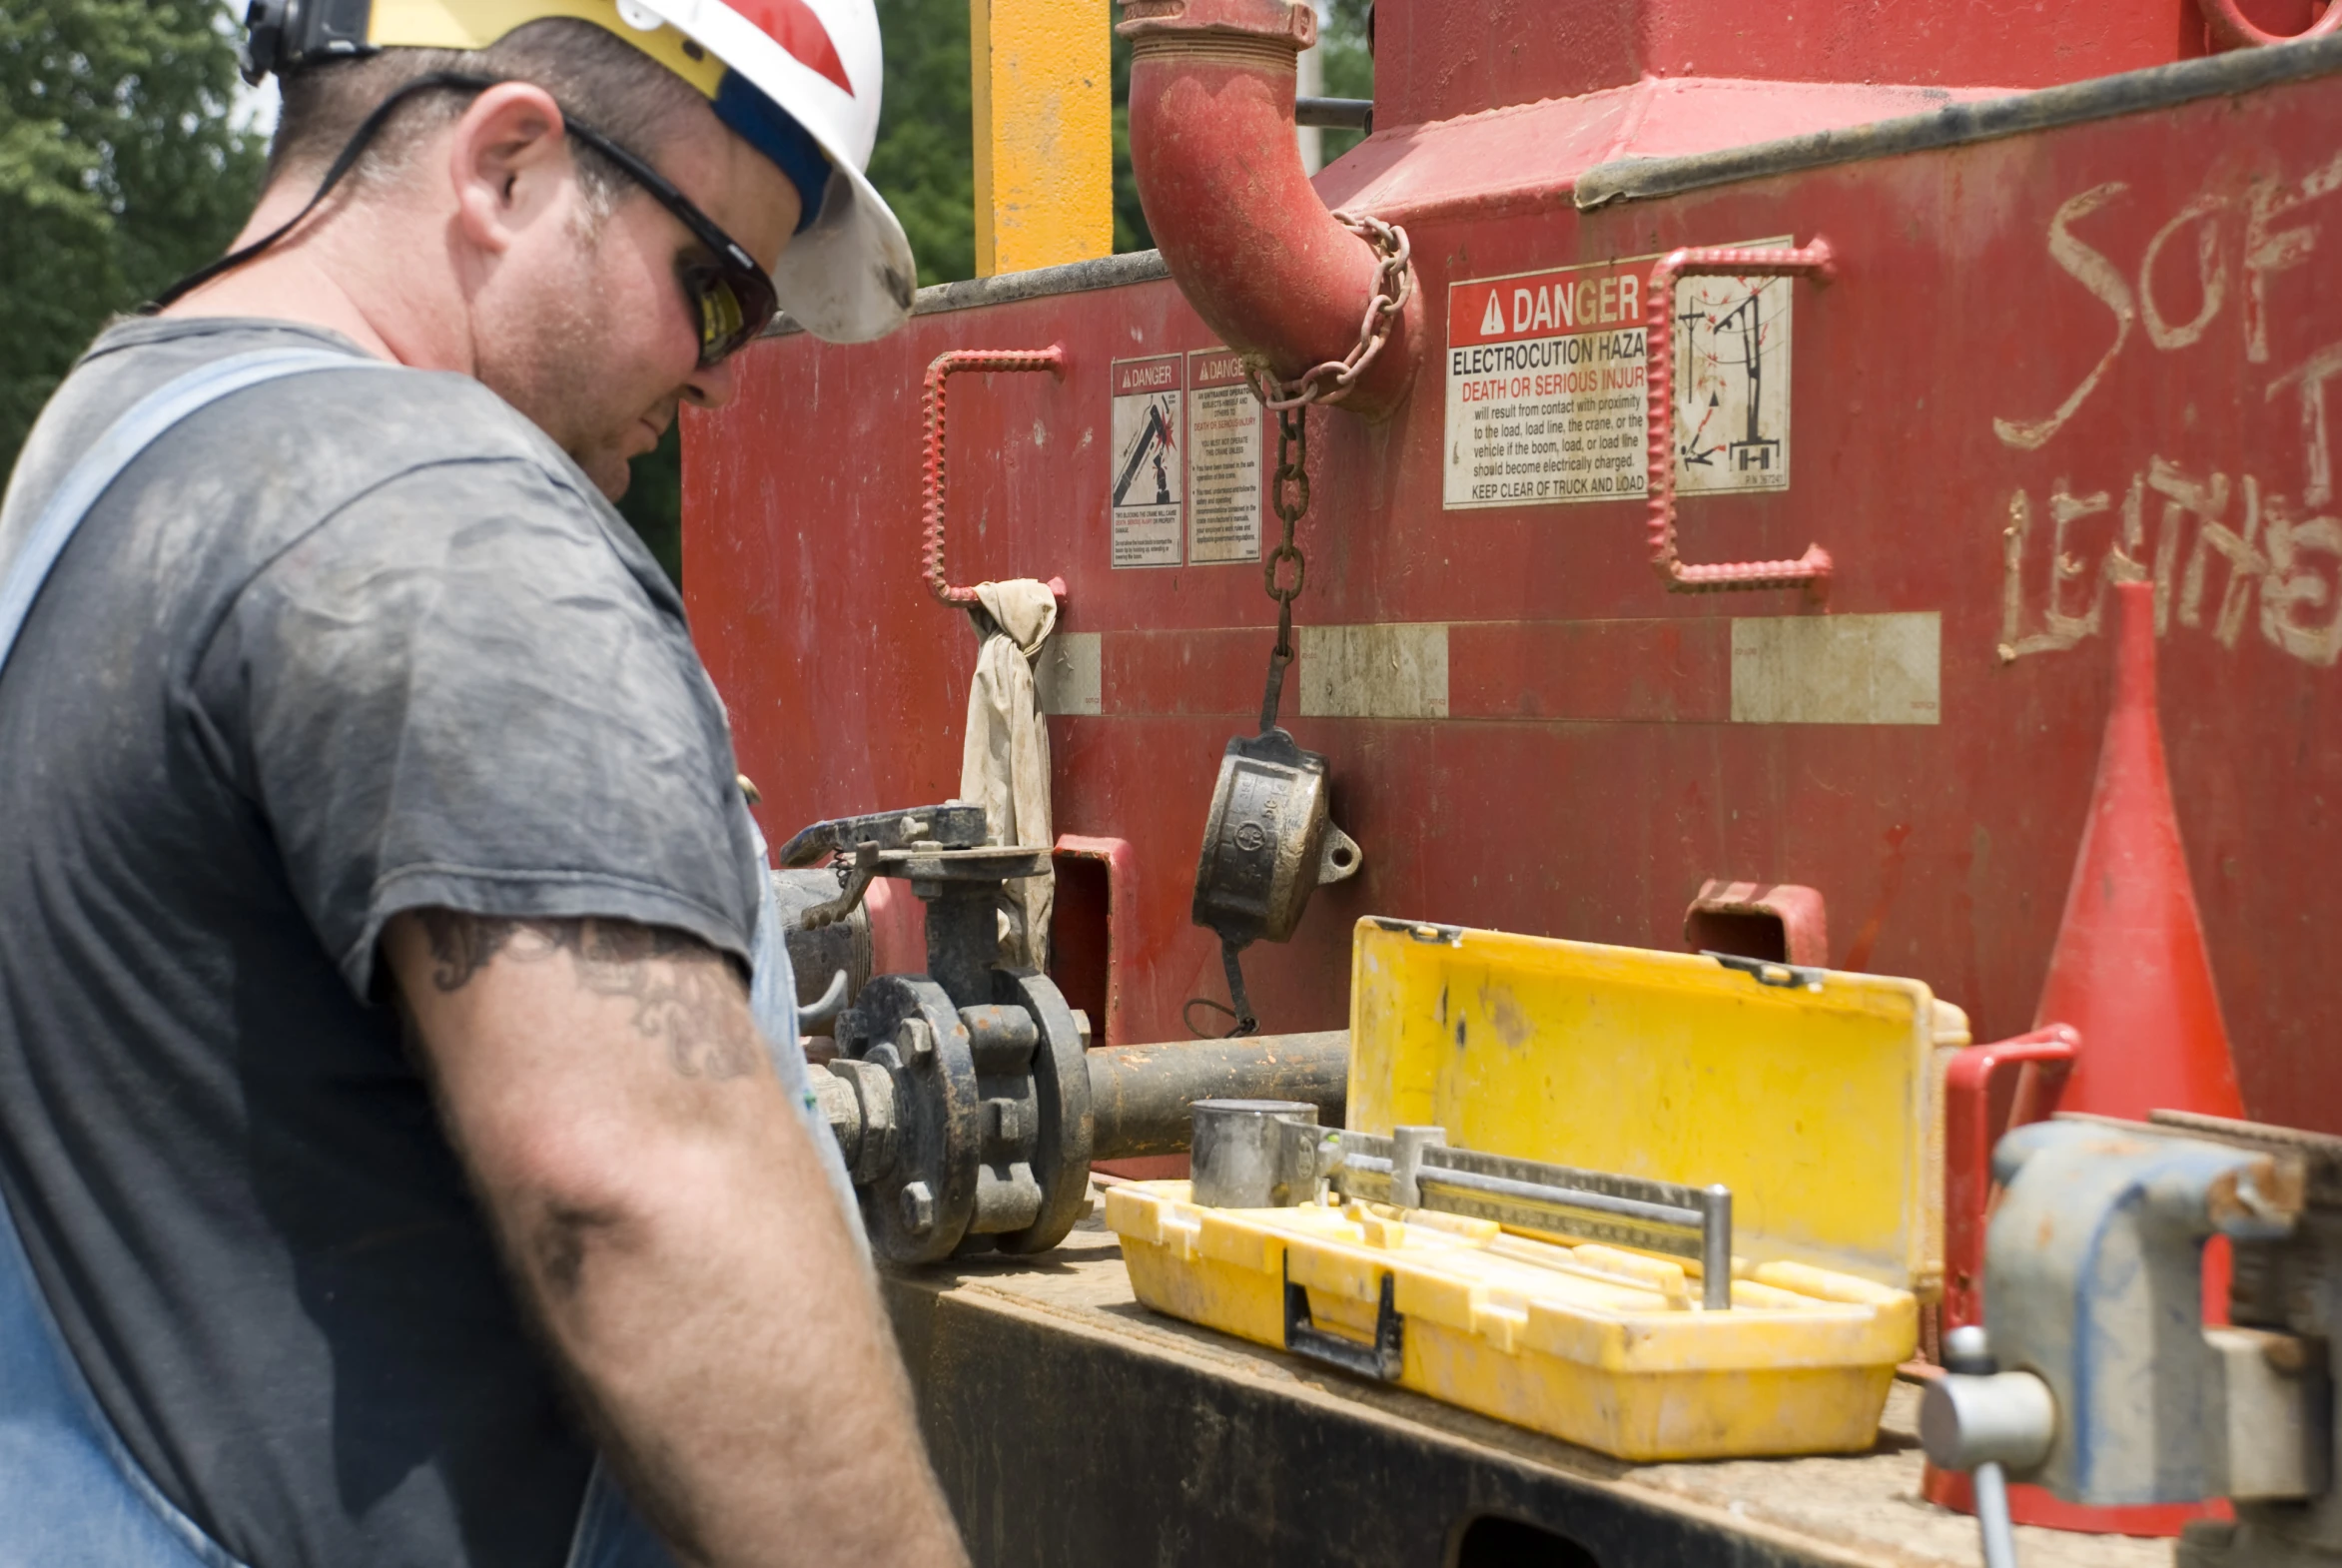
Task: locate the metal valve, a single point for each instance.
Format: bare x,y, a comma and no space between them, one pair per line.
965,1101
959,1097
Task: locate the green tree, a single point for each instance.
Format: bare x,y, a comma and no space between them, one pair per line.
925,160
120,168
1349,62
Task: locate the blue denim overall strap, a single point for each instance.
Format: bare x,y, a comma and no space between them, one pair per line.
610,1535
71,1494
772,999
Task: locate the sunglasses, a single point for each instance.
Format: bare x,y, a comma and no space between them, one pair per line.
731,294
732,297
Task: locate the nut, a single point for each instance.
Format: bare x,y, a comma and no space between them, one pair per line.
914,1042
918,1208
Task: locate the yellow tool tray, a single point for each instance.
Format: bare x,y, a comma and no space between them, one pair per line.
1593,1344
1813,1095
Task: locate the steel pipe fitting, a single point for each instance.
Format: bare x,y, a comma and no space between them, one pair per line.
1239,226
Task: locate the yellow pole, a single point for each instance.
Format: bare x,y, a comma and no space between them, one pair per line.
1043,86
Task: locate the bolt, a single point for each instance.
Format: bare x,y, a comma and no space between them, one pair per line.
918,1208
1006,1124
914,1042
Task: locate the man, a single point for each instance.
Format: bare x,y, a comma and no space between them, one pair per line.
382,1114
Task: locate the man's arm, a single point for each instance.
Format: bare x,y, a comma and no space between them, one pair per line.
659,1200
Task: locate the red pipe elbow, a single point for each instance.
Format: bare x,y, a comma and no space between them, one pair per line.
1220,176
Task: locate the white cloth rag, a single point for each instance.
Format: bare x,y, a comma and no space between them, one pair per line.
1004,765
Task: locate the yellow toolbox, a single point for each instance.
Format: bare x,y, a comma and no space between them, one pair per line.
1593,1344
1812,1095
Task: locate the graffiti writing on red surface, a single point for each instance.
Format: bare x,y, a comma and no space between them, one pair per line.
2227,554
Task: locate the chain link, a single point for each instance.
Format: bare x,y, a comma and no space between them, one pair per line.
1330,381
1289,493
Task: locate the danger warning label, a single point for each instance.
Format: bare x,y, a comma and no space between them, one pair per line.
1547,385
1147,451
1224,460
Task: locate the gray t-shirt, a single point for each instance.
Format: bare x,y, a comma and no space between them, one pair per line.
336,646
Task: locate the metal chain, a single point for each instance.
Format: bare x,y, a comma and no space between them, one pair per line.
1395,281
1289,493
1330,381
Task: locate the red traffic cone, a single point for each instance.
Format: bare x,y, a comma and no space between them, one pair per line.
2129,971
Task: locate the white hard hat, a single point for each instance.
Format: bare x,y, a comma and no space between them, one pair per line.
848,275
787,76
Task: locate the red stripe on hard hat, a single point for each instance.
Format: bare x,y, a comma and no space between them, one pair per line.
792,25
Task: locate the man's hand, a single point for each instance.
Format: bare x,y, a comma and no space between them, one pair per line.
659,1200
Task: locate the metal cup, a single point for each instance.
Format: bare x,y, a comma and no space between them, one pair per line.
1242,1157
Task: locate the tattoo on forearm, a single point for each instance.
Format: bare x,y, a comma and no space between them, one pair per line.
684,992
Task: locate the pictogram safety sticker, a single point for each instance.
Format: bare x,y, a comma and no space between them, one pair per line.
1547,385
1148,449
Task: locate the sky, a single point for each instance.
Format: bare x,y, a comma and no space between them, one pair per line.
255,106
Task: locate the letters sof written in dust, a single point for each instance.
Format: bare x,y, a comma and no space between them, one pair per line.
1548,390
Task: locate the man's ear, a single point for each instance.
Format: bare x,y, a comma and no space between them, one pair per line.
510,162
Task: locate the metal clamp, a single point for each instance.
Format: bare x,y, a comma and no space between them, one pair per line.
1052,360
1811,570
1380,1361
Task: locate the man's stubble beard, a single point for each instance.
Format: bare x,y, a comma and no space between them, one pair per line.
553,370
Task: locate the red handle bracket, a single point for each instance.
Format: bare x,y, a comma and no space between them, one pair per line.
1811,570
2231,29
1967,1151
1052,360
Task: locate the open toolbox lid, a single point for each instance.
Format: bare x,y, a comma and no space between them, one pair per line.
1814,1094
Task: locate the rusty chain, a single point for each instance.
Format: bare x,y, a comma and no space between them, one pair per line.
1330,381
1289,494
1291,400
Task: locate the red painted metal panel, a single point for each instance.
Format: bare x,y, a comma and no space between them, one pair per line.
1435,60
1590,777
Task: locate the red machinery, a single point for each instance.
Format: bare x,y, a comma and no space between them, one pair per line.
2034,344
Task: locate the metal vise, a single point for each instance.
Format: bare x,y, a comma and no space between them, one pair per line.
2099,1378
965,1101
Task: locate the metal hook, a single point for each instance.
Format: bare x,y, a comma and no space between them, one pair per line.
821,1011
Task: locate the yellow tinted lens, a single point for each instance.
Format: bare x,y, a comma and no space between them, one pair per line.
720,319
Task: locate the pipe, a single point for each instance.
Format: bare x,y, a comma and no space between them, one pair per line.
1257,255
1139,1095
